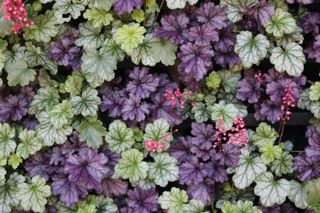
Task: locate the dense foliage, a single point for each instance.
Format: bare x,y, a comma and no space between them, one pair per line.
140,106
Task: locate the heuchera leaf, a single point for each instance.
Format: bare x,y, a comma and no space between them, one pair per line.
314,92
119,137
45,99
164,169
195,206
298,194
226,112
98,17
86,104
29,144
248,169
65,9
234,8
201,112
288,59
174,201
156,130
283,165
313,194
271,191
90,36
250,49
19,74
7,142
91,130
61,114
33,196
281,23
264,135
131,166
179,4
270,152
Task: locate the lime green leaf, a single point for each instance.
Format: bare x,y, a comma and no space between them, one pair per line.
3,160
89,208
250,49
179,4
101,4
91,130
14,161
174,201
144,53
164,169
45,99
228,207
98,17
288,59
226,112
281,23
65,9
314,92
165,52
98,66
33,196
129,36
195,206
73,84
29,145
7,142
131,166
119,137
138,15
241,206
8,192
248,169
201,112
48,133
315,109
90,36
112,48
19,74
44,28
61,114
156,130
264,135
105,205
213,80
35,56
313,194
270,152
235,6
152,6
282,165
298,195
87,103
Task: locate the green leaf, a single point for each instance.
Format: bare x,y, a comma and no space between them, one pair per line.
229,80
33,196
90,36
105,205
100,4
195,206
14,161
235,6
129,36
8,192
138,15
297,194
98,66
174,201
119,137
45,99
228,207
3,160
315,109
165,52
213,80
3,173
144,53
225,112
164,169
19,74
270,191
288,59
131,166
61,114
314,92
270,152
98,17
248,169
281,23
89,208
29,145
73,84
283,165
91,130
2,60
7,142
65,9
264,135
44,28
112,48
201,112
250,49
156,130
241,206
86,104
179,4
35,56
304,99
313,194
48,133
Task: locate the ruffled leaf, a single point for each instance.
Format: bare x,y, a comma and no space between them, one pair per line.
174,201
45,99
164,169
86,104
29,145
282,165
314,93
64,10
156,130
270,152
19,74
90,36
235,6
281,23
179,4
225,112
298,194
264,135
91,130
250,49
313,193
98,17
61,114
7,142
119,137
201,112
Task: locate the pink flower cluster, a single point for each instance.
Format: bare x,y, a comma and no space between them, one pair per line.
14,10
177,97
161,145
236,135
288,102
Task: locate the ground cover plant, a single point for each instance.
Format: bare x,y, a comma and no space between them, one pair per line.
143,106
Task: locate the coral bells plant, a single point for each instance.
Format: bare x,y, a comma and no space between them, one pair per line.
14,10
93,93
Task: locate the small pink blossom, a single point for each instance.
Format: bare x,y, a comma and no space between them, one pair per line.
287,102
177,97
159,146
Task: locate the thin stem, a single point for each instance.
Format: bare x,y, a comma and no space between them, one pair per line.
281,130
160,8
